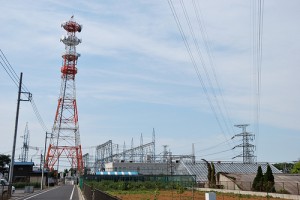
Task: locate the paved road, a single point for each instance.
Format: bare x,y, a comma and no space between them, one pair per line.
65,192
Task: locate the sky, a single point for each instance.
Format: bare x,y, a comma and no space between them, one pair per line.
135,74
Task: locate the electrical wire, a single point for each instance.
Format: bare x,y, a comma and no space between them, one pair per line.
257,26
15,78
215,109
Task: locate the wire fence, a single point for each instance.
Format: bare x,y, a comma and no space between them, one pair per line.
289,187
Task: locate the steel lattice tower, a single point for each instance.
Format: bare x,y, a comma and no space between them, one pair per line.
248,149
65,138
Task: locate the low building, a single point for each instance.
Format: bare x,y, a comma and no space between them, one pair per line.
200,169
22,171
284,183
142,168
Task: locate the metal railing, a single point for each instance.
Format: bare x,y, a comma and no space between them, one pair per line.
94,194
280,187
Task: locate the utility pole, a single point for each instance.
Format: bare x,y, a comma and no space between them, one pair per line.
11,169
43,165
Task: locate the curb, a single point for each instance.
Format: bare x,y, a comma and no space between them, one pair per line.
80,195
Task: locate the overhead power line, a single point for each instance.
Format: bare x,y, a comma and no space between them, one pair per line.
15,78
210,94
257,31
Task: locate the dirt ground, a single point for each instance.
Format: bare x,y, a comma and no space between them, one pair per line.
187,195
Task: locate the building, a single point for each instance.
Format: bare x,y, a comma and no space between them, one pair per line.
284,183
200,169
142,168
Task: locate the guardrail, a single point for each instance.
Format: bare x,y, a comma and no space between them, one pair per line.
93,194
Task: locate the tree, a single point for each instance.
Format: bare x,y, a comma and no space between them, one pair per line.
4,160
208,171
268,180
296,168
213,176
257,184
284,167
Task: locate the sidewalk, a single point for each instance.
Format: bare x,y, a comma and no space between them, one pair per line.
20,193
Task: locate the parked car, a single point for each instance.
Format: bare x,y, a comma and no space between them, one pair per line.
4,186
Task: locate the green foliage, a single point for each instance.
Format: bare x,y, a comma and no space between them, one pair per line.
264,182
22,185
213,176
284,167
296,168
258,180
268,180
4,159
108,185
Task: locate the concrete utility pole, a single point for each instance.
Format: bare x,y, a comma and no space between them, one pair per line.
16,128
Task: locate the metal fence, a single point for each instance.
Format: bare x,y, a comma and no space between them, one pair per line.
93,194
280,187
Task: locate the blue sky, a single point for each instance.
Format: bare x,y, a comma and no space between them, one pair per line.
134,74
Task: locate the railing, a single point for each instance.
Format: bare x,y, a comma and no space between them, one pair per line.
280,187
93,194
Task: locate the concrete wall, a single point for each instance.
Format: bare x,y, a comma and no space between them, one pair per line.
262,194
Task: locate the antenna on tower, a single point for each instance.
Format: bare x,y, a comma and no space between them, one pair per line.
65,138
248,149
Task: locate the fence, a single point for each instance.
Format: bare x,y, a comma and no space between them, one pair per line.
280,187
93,194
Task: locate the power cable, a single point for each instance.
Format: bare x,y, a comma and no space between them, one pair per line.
15,78
194,63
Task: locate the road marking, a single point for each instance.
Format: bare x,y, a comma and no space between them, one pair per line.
40,193
72,193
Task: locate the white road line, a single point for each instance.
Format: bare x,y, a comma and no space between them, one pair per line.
72,193
40,193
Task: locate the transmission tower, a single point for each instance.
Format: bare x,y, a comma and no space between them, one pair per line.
25,147
65,143
248,149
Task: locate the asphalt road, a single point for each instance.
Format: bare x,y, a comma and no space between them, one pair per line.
64,192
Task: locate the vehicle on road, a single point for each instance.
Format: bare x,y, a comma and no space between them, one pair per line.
4,187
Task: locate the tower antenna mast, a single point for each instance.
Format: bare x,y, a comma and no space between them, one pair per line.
65,143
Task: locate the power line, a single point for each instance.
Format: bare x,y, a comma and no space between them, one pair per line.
257,17
15,78
195,65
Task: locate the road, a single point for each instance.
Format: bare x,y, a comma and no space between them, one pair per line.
65,192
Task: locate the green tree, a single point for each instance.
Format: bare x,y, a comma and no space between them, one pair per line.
269,180
213,176
284,167
4,159
296,168
208,171
257,184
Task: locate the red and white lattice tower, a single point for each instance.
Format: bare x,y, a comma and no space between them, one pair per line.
65,138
